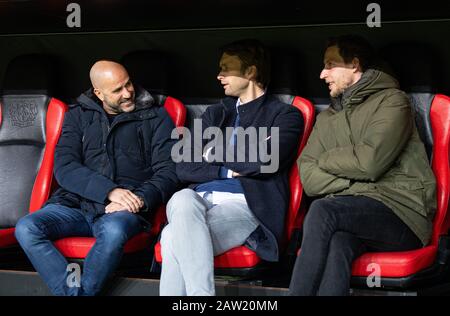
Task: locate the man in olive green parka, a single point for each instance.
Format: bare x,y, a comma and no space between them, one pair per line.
366,162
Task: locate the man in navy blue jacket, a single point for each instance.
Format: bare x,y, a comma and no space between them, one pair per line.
242,198
114,167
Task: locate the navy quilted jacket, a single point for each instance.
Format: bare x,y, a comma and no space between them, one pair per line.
93,157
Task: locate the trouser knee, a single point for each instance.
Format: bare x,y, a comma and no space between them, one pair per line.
27,231
185,205
320,212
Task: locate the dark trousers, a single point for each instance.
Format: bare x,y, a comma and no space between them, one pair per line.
336,231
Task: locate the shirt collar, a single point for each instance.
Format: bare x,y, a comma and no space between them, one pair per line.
238,103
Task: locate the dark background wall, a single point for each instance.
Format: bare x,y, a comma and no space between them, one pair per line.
193,51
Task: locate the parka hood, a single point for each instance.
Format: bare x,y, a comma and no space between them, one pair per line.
143,99
371,82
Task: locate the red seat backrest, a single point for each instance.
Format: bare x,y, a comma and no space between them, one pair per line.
308,112
440,123
43,183
177,112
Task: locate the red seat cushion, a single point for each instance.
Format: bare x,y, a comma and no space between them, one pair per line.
239,257
395,264
7,237
79,247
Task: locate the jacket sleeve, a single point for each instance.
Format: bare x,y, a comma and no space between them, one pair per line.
164,182
386,135
69,170
198,172
290,127
315,180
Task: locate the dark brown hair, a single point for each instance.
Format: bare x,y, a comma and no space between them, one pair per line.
351,46
251,52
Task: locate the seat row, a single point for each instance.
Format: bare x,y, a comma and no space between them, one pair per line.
31,122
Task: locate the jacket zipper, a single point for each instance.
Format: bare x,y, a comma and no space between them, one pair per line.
109,129
349,128
142,146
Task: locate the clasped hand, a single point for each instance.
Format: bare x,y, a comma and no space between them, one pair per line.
123,200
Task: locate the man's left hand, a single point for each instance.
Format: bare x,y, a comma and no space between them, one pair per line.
116,207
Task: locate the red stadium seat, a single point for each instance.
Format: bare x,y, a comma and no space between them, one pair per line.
79,247
30,125
139,65
243,258
401,268
428,265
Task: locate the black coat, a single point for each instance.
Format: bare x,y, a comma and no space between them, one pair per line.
93,157
267,194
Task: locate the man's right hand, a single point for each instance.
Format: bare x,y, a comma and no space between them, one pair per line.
127,198
236,174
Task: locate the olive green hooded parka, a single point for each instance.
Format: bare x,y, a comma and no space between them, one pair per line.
367,144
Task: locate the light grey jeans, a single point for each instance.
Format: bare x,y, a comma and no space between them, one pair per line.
198,231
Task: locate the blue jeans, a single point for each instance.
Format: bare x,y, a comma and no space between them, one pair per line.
35,233
336,231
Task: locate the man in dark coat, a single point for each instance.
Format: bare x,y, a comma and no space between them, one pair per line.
114,167
242,198
366,163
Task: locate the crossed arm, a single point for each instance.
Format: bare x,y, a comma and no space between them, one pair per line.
324,170
290,126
